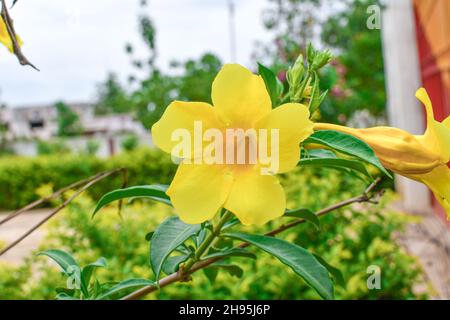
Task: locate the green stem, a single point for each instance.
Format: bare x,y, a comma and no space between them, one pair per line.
208,241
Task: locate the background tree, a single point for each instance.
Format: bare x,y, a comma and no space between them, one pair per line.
341,27
112,97
150,90
360,62
68,120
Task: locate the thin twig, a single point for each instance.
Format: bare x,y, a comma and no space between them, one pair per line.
89,184
56,194
366,196
12,34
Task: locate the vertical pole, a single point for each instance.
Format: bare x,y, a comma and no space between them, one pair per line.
402,71
232,11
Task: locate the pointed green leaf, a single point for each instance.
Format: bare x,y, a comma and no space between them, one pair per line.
305,214
347,144
168,237
154,192
86,274
62,258
318,153
271,81
296,257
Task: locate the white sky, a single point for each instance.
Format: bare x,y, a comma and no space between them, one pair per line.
76,43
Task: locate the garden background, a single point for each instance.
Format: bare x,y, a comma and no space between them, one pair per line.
410,250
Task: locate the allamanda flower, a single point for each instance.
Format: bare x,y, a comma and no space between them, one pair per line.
419,157
240,102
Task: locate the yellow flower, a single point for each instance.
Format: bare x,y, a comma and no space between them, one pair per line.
419,157
241,101
5,38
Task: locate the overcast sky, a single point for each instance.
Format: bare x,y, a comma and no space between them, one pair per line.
76,43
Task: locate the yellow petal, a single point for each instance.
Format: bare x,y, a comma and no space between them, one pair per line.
183,115
199,191
256,199
5,38
241,98
439,182
437,135
293,125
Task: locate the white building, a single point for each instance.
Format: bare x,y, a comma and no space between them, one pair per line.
25,125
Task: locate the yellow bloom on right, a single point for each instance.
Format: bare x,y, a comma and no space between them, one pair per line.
423,158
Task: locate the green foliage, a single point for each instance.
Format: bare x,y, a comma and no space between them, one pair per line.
352,85
79,280
360,63
112,97
20,177
148,96
350,239
92,147
68,120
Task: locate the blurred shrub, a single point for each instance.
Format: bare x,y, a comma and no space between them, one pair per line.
350,239
20,176
52,147
130,142
92,147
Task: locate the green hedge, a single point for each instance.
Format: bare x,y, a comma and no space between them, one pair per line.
21,176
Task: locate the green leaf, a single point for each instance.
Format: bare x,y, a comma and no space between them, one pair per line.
335,272
86,274
172,264
233,222
305,214
211,274
234,252
318,153
347,144
296,257
154,192
62,258
271,81
336,163
122,288
168,237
